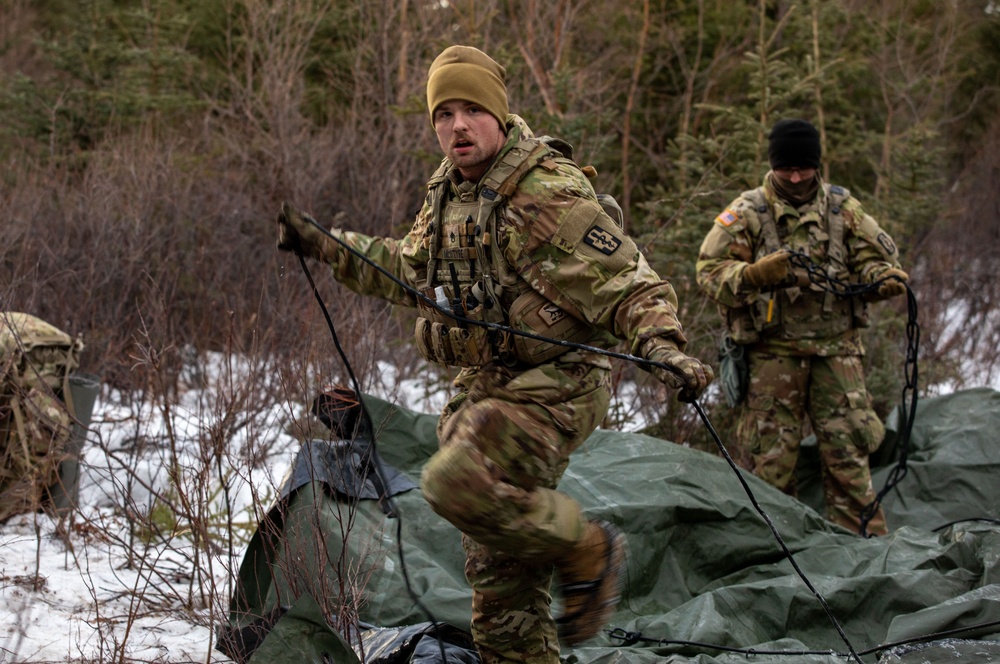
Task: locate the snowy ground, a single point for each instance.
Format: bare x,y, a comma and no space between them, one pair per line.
123,578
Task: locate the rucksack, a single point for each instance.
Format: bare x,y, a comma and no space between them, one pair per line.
513,173
36,413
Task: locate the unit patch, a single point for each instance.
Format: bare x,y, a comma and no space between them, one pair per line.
550,314
887,243
727,218
602,240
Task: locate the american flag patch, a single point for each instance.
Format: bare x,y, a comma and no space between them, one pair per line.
727,217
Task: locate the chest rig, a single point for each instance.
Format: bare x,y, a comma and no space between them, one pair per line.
466,274
802,313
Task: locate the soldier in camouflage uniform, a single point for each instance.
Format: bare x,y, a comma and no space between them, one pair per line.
803,344
36,360
511,232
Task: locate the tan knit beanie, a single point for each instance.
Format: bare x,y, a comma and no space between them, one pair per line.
464,72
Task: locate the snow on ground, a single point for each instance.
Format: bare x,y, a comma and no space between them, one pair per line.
124,578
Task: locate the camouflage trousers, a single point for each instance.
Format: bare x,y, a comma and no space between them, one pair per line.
505,443
831,391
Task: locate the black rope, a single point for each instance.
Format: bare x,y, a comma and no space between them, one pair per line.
370,461
373,461
978,519
774,531
931,637
907,410
908,405
631,638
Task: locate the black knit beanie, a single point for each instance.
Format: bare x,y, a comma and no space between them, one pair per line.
793,144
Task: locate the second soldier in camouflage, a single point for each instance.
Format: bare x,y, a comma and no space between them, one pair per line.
803,343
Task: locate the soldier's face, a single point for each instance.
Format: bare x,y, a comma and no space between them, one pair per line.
469,136
795,175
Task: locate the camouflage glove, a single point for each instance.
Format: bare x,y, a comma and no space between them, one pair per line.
685,373
769,271
892,283
298,233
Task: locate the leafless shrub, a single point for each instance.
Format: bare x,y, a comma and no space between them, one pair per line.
959,284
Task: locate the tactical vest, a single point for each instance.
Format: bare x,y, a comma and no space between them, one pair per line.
467,276
795,313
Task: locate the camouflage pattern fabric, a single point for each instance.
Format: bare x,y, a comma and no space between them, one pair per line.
505,443
795,368
735,241
36,359
507,435
831,392
511,607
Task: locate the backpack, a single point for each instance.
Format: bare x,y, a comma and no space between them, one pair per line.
565,150
36,412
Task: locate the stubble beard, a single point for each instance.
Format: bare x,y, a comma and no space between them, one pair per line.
472,161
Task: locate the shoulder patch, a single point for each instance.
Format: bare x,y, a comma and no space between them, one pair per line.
727,218
887,243
602,240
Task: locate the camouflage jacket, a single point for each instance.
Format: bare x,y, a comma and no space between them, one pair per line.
543,241
800,319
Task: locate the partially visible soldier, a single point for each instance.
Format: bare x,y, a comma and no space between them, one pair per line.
36,361
803,345
511,232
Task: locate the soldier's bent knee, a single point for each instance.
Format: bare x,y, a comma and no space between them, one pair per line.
456,484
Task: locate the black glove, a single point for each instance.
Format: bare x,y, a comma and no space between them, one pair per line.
298,232
685,373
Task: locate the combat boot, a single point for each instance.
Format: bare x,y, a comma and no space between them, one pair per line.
591,577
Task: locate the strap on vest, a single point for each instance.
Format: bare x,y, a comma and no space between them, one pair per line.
436,189
489,201
835,197
768,229
515,164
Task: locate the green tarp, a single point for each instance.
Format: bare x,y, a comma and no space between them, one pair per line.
703,567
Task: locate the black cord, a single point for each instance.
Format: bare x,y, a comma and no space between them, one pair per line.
631,638
980,519
907,409
908,405
774,531
931,637
374,461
